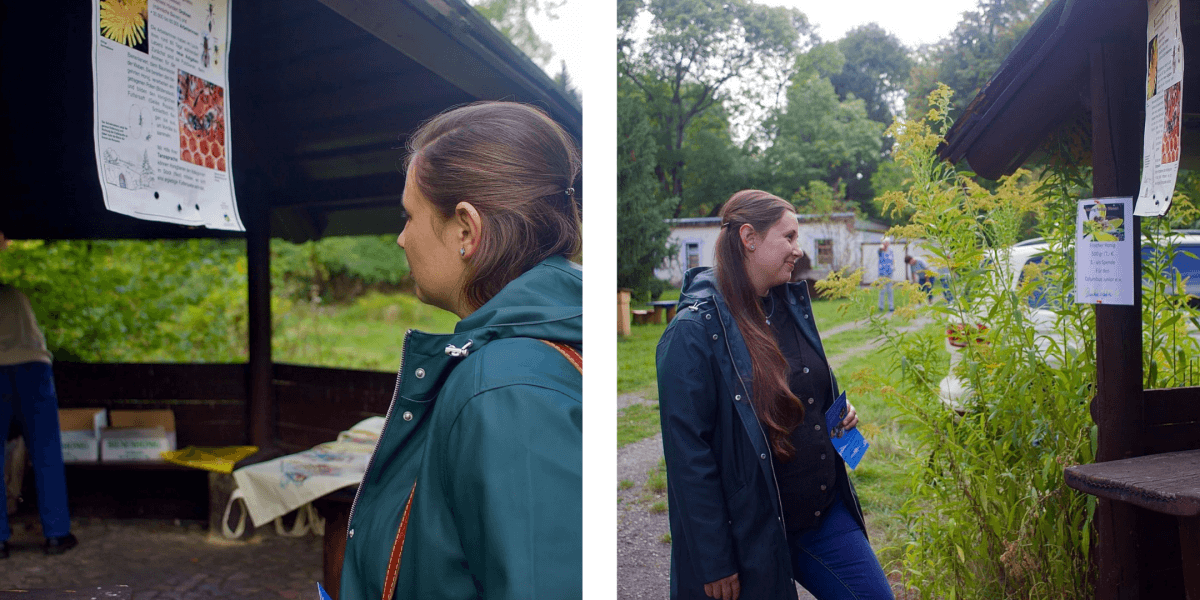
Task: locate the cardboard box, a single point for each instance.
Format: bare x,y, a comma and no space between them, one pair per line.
137,435
80,431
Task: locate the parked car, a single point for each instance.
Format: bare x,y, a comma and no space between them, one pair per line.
953,391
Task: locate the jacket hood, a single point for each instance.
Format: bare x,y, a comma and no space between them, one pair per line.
699,284
545,302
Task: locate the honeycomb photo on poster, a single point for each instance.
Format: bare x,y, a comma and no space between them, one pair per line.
124,22
1172,121
201,122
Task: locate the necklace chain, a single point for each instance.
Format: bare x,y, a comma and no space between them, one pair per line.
772,299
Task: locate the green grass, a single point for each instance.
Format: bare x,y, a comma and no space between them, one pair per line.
846,340
656,482
366,334
636,422
635,360
831,313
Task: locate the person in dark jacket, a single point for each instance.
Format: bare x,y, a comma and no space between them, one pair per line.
474,489
757,495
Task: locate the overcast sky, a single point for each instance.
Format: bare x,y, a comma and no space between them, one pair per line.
914,23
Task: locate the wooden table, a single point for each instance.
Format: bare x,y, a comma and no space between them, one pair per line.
663,305
1168,483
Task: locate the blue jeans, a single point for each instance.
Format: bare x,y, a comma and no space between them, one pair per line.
887,288
833,559
27,391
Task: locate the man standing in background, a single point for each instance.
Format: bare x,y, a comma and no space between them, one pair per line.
887,263
27,392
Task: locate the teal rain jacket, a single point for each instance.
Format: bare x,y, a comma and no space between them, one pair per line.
486,422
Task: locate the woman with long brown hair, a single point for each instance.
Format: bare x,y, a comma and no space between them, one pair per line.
758,496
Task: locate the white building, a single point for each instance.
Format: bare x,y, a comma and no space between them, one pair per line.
832,242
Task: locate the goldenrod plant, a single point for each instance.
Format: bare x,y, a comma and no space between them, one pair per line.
988,515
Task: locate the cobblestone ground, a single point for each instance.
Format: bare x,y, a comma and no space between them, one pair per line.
162,560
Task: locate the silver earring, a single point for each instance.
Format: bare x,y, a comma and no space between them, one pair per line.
751,247
462,252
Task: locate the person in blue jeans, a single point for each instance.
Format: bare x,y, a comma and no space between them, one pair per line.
921,275
887,264
758,497
27,393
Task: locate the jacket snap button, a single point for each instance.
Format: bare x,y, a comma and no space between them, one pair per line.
817,427
810,400
805,369
818,513
763,456
407,415
738,398
351,534
707,317
805,315
822,488
420,373
714,336
822,457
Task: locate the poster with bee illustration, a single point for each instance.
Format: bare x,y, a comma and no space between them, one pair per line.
1164,108
162,139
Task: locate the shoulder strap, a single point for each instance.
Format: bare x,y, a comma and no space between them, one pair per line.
572,355
393,571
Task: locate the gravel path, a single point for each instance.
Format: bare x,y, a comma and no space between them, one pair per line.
643,554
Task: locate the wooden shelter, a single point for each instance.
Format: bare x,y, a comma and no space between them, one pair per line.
322,96
1088,59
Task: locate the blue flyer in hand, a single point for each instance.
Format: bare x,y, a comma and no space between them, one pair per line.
848,442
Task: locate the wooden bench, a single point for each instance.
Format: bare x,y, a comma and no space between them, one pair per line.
1167,483
661,307
1160,489
642,316
312,405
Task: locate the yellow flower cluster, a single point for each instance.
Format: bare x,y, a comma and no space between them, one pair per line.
123,21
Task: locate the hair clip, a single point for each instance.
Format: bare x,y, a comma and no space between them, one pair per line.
569,192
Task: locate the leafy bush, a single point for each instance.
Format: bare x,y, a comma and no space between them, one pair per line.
989,515
337,268
124,300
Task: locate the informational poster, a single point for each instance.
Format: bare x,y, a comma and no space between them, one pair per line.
160,74
1103,253
1164,108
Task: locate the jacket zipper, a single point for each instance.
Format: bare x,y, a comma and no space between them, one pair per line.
387,419
778,497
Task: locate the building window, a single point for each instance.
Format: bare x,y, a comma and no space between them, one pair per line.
693,255
825,252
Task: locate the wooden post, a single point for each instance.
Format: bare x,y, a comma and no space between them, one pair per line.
261,405
1117,98
624,315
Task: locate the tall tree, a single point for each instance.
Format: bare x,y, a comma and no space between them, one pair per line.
641,229
820,137
511,18
971,53
876,69
693,50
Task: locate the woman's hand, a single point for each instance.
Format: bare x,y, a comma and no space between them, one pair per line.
728,588
851,420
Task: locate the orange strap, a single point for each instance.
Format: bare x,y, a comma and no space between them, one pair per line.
572,355
389,583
